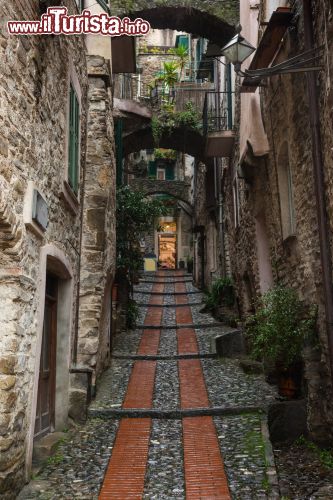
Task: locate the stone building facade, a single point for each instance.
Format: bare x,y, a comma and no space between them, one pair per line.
57,240
271,214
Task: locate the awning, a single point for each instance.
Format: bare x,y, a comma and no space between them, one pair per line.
276,28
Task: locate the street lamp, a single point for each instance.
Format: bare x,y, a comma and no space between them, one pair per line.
239,49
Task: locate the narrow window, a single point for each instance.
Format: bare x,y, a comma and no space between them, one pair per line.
236,201
74,133
286,193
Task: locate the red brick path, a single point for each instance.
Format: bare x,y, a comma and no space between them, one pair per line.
141,385
125,475
193,392
204,471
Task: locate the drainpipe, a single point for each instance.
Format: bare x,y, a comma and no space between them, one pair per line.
318,171
223,264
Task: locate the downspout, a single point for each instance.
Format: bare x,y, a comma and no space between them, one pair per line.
318,171
222,242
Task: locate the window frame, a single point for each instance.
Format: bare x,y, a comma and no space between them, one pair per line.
286,193
74,125
72,198
160,170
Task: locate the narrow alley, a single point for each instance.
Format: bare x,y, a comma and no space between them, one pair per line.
176,421
166,249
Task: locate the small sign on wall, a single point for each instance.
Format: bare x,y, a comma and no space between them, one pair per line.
40,213
35,212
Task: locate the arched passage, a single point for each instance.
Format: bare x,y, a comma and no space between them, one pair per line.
186,141
179,190
210,19
190,20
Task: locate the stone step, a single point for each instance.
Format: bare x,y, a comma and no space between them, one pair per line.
189,304
163,357
159,282
144,292
154,275
195,326
119,413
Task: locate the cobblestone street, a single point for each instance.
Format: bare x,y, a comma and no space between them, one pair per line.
170,419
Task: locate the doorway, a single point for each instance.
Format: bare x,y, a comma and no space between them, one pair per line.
167,251
45,413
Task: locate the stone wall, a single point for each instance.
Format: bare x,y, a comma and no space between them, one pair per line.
206,216
294,261
224,9
177,189
34,91
98,238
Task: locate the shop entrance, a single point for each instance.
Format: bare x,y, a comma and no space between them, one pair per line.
167,251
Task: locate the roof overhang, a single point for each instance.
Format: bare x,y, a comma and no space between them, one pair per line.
269,44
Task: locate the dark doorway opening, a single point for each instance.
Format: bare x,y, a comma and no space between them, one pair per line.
45,414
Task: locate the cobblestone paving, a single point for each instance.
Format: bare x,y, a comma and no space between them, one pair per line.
201,318
168,343
166,394
82,463
113,384
127,342
78,467
243,451
165,476
205,338
229,386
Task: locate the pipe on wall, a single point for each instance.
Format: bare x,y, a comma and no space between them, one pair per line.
319,181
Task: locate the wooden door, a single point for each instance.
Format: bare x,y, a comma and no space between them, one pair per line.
47,375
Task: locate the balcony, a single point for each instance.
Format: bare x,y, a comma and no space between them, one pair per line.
218,124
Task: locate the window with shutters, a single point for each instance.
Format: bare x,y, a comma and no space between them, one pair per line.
74,141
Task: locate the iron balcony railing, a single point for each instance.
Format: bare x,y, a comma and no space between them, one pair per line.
180,95
132,87
218,112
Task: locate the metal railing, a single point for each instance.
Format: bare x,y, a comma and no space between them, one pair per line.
180,95
218,112
132,87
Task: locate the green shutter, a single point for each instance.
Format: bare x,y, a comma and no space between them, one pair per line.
170,173
183,41
152,169
74,136
104,5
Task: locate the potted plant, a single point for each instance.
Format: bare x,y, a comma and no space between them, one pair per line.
277,332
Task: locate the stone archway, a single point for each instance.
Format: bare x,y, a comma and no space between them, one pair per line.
179,190
211,19
186,141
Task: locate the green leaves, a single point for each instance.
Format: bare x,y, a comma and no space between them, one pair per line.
168,119
221,290
281,324
136,216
